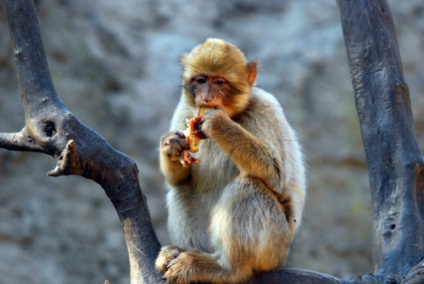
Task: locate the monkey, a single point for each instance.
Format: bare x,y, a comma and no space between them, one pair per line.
236,211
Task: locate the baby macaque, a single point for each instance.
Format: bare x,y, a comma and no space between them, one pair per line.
235,210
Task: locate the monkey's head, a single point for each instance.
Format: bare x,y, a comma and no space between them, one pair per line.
217,74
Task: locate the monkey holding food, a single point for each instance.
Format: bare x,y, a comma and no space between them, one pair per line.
236,210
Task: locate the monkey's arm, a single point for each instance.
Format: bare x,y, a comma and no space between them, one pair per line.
172,145
252,155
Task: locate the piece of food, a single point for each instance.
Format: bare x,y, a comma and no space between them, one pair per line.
193,135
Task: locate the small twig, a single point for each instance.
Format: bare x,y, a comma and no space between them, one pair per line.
68,163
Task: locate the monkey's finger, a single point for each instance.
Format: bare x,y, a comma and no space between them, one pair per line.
184,145
180,134
178,145
199,134
197,131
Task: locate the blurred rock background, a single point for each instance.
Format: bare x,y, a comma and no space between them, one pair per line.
115,64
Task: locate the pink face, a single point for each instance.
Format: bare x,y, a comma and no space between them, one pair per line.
209,91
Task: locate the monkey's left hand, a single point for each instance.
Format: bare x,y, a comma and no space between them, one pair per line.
212,121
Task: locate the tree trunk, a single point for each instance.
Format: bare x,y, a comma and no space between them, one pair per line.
394,160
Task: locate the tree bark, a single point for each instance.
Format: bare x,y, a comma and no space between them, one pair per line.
50,128
395,163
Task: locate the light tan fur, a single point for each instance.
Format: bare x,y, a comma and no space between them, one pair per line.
237,211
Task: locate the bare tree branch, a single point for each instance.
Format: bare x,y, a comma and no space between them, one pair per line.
50,128
19,141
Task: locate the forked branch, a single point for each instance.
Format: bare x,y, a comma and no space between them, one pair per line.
50,128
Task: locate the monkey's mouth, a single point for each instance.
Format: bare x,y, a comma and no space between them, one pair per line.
210,107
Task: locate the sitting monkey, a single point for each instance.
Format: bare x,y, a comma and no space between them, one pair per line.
237,210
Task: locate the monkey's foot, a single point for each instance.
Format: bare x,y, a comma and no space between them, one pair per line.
166,254
193,266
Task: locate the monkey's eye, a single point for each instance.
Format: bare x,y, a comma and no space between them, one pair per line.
219,81
200,79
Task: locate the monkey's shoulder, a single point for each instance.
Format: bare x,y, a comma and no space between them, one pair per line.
263,102
263,113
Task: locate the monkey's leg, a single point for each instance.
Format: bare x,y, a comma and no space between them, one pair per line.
249,232
250,228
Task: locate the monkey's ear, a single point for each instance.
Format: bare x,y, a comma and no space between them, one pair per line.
252,70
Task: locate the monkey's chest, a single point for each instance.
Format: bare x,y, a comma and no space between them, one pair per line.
209,178
215,169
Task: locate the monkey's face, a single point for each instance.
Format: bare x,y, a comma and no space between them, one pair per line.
218,92
217,74
215,92
209,91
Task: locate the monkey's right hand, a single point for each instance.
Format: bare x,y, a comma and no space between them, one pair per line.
173,144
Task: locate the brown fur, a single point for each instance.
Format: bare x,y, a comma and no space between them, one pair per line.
237,211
